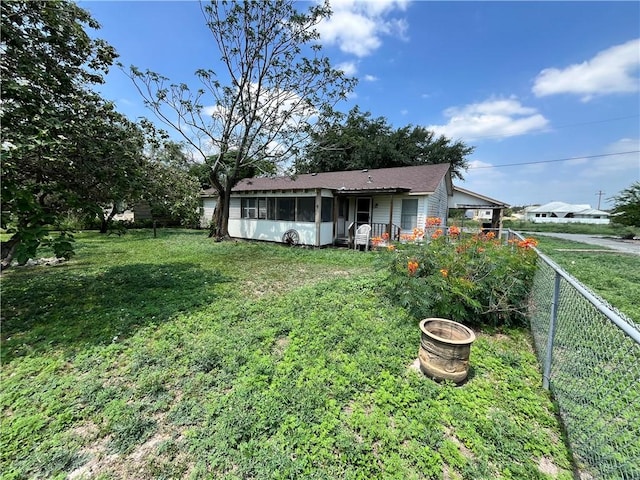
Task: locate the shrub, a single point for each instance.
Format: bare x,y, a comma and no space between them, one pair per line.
474,280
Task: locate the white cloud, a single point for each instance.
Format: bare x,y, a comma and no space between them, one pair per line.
357,26
370,78
614,70
349,68
492,118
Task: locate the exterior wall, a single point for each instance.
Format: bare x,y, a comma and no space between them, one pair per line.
208,205
438,204
273,230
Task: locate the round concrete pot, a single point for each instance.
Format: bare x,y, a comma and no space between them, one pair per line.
445,347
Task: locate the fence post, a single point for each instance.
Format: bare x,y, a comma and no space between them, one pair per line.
552,332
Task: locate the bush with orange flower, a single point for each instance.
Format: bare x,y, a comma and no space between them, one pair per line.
476,280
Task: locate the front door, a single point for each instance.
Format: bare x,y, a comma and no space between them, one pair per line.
343,216
363,211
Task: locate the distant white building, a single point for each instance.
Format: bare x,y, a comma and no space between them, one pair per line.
560,212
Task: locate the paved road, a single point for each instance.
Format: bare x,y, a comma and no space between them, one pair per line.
626,246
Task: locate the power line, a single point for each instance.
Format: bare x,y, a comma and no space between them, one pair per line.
555,160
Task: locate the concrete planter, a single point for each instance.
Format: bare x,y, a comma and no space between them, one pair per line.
445,347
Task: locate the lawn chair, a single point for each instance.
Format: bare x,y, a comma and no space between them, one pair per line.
363,233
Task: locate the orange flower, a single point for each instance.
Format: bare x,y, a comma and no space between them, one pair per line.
385,236
433,221
490,235
528,243
437,233
454,231
444,272
391,248
412,266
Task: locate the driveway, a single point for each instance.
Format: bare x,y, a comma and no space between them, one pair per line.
626,246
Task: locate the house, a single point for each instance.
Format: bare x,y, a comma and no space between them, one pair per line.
321,209
560,212
488,211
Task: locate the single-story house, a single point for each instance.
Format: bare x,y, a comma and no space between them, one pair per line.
321,209
560,212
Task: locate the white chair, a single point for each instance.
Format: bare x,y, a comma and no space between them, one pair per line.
362,237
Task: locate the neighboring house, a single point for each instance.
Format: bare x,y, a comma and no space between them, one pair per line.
560,212
321,208
486,210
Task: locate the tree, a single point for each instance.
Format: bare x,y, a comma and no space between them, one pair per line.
626,209
171,190
61,142
357,141
261,106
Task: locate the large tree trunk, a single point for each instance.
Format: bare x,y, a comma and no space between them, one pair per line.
220,221
8,249
106,221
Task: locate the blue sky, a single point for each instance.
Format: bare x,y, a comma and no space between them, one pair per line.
552,87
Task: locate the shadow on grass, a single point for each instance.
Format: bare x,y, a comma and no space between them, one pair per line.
69,308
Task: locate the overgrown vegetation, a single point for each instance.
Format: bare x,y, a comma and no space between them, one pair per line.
611,230
613,276
476,280
178,357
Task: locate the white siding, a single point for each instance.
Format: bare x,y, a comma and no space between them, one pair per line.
273,230
438,203
206,211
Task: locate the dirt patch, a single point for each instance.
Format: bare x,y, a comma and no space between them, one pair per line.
547,467
464,451
280,346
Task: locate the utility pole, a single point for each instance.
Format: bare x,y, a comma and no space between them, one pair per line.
599,194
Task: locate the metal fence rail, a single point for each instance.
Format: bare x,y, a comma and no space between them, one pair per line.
590,356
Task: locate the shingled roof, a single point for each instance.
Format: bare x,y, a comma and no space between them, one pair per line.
415,179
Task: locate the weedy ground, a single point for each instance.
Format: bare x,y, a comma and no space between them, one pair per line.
179,357
613,276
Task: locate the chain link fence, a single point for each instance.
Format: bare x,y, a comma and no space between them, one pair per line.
590,355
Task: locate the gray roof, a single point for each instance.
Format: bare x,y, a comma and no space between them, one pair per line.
414,179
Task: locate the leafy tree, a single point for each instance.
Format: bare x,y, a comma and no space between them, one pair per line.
356,140
60,140
171,190
260,107
626,210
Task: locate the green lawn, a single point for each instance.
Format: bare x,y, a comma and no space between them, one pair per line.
613,276
179,357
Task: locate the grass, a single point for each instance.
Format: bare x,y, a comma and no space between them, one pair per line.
613,276
178,357
609,230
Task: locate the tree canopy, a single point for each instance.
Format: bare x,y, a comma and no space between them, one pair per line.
626,209
64,148
260,107
356,140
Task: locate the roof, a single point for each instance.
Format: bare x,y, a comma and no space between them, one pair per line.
488,202
561,207
413,179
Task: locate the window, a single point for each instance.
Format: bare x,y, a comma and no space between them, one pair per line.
262,208
286,208
306,209
249,208
409,214
327,209
301,209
